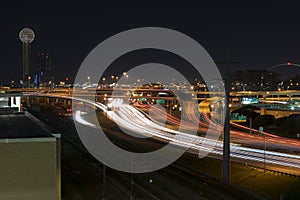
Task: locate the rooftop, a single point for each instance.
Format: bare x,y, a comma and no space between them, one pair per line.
21,126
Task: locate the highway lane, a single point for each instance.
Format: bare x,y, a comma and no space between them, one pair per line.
255,139
179,181
141,124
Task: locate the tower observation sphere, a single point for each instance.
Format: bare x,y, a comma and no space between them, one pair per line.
26,35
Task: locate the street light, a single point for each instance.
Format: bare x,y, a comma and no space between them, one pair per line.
29,78
112,78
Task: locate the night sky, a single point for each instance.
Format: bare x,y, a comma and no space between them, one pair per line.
257,34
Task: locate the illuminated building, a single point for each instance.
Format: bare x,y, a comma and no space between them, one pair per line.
27,36
45,70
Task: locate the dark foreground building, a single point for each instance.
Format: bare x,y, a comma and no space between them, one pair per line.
30,158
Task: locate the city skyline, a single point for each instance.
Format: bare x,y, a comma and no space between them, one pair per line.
150,100
252,33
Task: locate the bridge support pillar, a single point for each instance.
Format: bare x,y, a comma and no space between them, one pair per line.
47,101
262,111
65,103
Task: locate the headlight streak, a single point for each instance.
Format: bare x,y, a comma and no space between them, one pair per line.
149,128
138,122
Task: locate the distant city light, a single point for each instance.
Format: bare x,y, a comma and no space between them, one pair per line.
292,108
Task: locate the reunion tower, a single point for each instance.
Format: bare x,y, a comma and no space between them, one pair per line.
26,35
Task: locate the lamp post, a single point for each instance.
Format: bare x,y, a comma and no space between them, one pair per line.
261,129
265,146
112,79
29,78
250,124
104,182
88,80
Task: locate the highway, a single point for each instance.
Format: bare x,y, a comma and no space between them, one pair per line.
180,180
255,139
129,117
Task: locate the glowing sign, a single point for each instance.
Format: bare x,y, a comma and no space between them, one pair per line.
249,100
160,101
235,117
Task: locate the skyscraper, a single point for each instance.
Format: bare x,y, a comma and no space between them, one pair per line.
27,36
46,77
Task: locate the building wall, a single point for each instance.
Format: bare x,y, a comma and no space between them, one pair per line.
29,169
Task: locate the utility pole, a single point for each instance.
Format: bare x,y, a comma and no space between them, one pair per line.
226,139
104,183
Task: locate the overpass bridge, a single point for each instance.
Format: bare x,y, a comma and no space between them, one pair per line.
250,154
264,94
